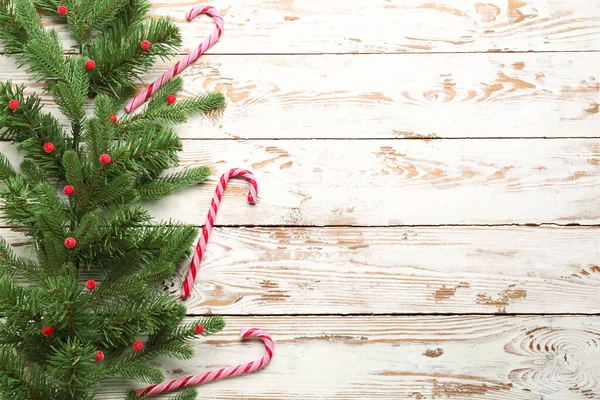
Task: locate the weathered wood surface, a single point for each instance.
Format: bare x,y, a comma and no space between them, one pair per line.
387,182
458,357
386,26
278,271
394,26
395,96
336,214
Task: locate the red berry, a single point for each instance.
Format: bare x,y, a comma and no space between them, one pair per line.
199,329
113,118
91,284
68,190
105,159
62,10
138,346
13,104
171,99
48,147
90,64
99,356
145,45
47,331
70,243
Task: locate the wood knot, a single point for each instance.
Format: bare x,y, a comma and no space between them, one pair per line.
562,361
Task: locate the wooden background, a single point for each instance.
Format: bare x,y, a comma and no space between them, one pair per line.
428,224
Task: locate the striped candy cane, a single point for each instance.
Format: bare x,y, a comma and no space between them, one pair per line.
222,373
185,61
210,221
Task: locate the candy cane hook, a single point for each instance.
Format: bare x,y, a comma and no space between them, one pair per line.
185,61
210,220
214,375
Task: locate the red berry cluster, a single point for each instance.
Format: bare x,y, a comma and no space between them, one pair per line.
145,45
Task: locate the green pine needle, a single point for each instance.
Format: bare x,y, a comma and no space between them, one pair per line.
117,243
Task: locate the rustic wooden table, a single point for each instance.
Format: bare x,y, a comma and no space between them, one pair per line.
429,177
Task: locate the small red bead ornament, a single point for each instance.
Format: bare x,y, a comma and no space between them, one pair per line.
199,329
105,159
70,243
113,118
145,45
47,331
48,147
13,104
68,190
99,356
171,99
138,346
90,64
91,284
62,10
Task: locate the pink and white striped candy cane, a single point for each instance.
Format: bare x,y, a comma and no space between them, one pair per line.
210,221
185,61
222,373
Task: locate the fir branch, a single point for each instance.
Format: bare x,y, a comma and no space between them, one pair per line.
93,15
32,172
16,208
20,305
136,371
73,362
71,94
120,59
28,18
12,32
52,216
87,230
187,177
31,128
6,169
44,55
74,173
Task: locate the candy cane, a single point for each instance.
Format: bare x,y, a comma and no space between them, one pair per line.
210,220
214,375
185,61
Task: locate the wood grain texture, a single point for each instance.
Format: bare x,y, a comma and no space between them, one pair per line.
499,358
397,96
385,26
393,96
278,271
387,182
393,26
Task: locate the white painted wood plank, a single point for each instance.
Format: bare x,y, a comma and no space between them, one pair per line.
499,358
387,182
391,96
280,271
385,26
397,96
389,26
